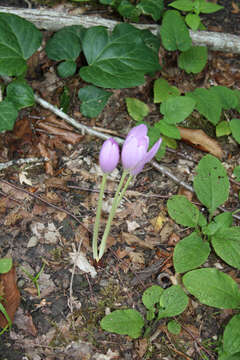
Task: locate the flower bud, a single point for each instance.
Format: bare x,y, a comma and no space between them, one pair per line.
134,151
109,155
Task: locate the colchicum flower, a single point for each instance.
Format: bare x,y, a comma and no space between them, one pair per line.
134,151
109,155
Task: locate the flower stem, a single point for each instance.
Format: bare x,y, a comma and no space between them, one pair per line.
98,215
117,198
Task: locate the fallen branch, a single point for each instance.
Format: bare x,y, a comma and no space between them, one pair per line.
54,20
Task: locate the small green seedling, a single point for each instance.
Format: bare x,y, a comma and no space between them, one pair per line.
5,267
159,304
35,278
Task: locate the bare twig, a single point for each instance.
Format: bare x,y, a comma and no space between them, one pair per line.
48,19
22,161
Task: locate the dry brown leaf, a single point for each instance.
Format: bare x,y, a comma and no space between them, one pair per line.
235,8
141,347
185,192
11,295
68,136
131,240
158,222
201,140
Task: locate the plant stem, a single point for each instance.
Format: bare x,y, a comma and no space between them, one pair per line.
117,198
98,215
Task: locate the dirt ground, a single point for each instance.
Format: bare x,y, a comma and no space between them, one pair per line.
48,211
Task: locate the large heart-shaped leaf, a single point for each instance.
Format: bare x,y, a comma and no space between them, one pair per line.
177,108
152,7
173,302
20,94
93,100
226,243
19,39
194,59
118,60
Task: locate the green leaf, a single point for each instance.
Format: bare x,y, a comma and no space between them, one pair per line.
5,265
118,60
168,129
183,5
8,115
223,128
3,310
123,322
211,183
213,288
162,90
65,100
236,172
19,39
67,68
227,97
151,296
174,32
152,7
193,21
174,327
65,43
209,7
129,11
177,108
231,336
226,243
20,94
207,104
137,109
173,302
235,128
190,253
194,59
93,100
184,212
219,222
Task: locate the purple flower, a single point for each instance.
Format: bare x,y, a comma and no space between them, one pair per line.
134,151
109,155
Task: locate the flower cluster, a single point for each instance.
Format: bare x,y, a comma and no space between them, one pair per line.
134,152
134,156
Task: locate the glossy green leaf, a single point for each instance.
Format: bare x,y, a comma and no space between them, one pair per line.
231,337
226,243
118,60
223,129
169,130
174,32
127,10
65,100
177,108
211,183
151,296
137,109
152,7
162,90
184,212
20,94
207,104
67,68
174,327
193,21
173,302
123,322
236,172
183,5
19,39
8,115
227,97
194,59
65,43
209,7
213,288
235,128
5,265
93,100
190,253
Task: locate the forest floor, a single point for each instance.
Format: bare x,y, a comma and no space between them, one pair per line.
48,209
